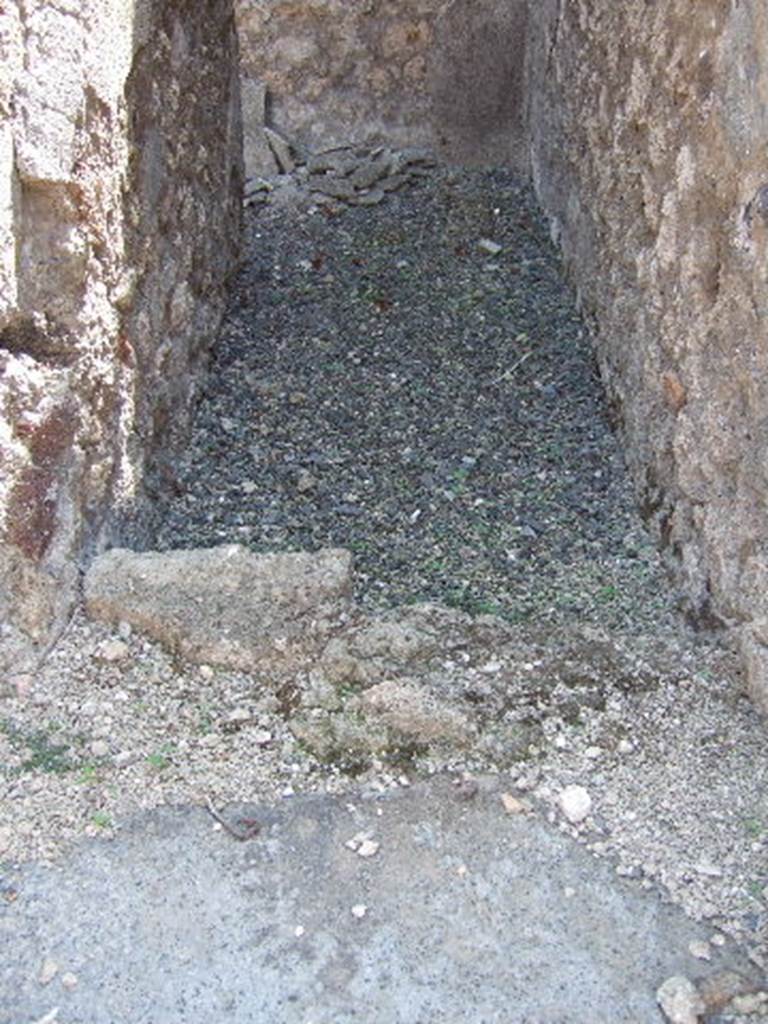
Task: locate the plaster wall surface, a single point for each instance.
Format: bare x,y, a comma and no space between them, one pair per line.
119,205
647,126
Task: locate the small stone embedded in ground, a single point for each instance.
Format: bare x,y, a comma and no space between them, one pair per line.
489,246
48,971
368,848
396,715
99,748
575,803
6,836
48,1018
680,1001
359,911
21,684
708,870
271,614
700,950
69,980
305,482
111,650
514,806
755,1002
718,990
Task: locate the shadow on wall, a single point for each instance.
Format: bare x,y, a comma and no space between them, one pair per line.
476,83
447,76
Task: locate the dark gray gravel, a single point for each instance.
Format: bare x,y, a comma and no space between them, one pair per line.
384,384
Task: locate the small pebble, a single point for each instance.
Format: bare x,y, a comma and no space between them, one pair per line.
679,1001
701,950
99,748
69,980
753,1002
368,848
625,747
21,684
487,245
708,870
112,650
359,911
48,971
512,805
575,803
298,931
48,1018
6,835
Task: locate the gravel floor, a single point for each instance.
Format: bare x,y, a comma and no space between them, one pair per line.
385,384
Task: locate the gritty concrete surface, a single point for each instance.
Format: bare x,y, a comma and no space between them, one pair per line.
462,913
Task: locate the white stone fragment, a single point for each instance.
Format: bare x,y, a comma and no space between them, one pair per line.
751,1002
701,950
489,246
708,870
490,668
298,931
6,835
679,1001
357,840
575,803
48,1018
48,971
69,980
368,848
111,650
512,805
359,911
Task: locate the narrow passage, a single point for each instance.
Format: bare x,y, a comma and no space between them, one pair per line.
389,382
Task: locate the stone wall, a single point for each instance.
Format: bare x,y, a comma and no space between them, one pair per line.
445,75
648,125
119,205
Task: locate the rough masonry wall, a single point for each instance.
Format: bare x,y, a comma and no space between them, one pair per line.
446,75
648,125
119,200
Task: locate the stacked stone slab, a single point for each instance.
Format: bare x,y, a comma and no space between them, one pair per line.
120,185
